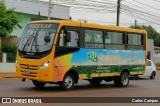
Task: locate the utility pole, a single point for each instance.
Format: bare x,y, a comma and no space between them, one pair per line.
39,15
135,23
49,10
118,11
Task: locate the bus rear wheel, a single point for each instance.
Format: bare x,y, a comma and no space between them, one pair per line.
38,84
122,80
68,82
95,81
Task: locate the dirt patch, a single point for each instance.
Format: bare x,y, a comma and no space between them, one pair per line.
7,75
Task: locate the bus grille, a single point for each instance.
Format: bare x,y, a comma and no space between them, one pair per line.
27,66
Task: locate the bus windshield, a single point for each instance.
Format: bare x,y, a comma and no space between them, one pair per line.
38,37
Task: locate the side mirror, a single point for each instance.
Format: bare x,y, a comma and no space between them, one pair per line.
68,35
47,39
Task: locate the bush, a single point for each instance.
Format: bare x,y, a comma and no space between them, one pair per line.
11,58
157,64
9,48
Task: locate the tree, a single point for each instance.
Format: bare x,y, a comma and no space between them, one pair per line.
152,33
8,20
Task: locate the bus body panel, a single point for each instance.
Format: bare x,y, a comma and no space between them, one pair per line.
30,69
91,63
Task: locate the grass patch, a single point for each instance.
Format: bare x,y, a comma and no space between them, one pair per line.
157,64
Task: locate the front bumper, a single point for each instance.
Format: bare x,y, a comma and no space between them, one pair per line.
38,75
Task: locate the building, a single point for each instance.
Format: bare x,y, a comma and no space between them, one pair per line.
151,49
154,52
31,10
157,54
157,50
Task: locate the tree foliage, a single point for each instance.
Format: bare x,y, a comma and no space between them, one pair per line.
8,20
152,33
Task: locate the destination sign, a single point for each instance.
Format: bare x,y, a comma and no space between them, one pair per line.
46,26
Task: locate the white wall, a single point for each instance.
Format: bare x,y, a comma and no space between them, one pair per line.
7,67
151,48
157,58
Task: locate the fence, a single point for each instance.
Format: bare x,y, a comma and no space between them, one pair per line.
7,57
10,58
1,56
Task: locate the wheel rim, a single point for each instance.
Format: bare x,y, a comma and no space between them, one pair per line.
125,80
68,82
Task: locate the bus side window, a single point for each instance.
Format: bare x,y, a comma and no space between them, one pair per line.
135,41
114,40
107,38
93,38
74,39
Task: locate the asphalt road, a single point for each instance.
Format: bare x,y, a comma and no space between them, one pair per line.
13,87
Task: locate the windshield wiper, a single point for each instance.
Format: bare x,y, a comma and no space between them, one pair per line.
35,41
29,40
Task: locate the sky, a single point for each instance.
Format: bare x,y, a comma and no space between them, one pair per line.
106,12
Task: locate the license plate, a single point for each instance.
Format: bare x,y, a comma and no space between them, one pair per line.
27,71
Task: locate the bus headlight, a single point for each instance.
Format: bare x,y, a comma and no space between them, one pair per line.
17,64
45,65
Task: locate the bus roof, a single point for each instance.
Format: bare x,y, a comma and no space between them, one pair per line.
90,25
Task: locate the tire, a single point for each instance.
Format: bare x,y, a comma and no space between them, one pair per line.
95,81
137,77
38,84
122,80
153,75
68,82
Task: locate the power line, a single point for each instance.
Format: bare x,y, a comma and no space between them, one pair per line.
157,0
148,15
102,7
135,15
146,5
139,7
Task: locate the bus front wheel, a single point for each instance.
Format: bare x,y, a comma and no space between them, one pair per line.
38,84
68,82
122,80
